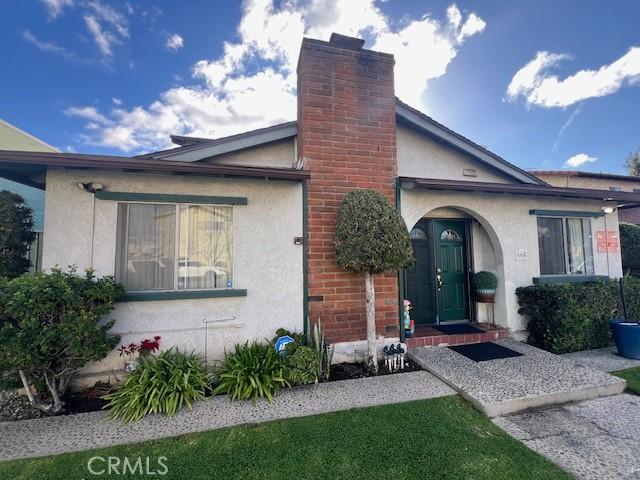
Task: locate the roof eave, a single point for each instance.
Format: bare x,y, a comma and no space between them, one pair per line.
14,159
621,198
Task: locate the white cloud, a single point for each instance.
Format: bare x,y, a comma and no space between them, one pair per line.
539,87
579,159
231,94
55,7
174,42
49,47
116,101
88,113
106,25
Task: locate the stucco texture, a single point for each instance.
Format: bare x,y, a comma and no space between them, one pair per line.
265,260
421,157
502,225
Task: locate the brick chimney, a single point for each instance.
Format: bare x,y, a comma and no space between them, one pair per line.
347,140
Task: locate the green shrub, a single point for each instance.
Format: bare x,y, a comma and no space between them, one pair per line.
573,317
50,327
252,371
485,281
630,248
162,384
301,364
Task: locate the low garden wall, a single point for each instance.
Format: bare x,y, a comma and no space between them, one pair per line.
572,317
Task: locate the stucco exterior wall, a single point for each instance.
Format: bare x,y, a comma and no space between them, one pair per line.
265,260
508,227
421,157
588,182
278,154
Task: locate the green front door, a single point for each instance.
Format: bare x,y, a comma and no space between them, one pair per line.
421,275
451,270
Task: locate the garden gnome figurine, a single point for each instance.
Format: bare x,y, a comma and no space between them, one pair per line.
408,331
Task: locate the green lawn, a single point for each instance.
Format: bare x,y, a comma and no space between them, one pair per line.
632,376
432,439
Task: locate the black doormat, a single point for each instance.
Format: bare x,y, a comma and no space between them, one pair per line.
457,328
481,352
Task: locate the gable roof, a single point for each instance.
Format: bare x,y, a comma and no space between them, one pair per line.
194,149
14,138
423,123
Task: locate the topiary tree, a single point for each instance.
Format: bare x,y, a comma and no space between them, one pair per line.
50,328
630,248
371,237
16,234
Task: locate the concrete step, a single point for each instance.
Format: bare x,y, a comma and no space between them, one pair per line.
503,386
430,337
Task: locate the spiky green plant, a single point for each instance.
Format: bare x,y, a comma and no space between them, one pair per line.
252,371
324,351
162,384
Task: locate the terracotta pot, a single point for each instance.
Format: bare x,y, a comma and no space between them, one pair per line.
484,295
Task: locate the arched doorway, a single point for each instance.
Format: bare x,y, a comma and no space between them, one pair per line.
438,281
450,244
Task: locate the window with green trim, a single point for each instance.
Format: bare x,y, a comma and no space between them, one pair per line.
174,247
565,246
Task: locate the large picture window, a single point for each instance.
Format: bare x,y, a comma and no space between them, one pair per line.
168,247
565,246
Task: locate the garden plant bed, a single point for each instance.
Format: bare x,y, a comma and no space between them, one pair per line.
15,406
349,371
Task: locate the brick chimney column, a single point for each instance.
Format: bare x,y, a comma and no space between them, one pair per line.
347,140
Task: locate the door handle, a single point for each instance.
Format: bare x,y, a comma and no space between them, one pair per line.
438,278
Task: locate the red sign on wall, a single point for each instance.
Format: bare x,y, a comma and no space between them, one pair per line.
607,241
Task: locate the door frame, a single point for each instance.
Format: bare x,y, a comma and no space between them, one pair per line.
471,305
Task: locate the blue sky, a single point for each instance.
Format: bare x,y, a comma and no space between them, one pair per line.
540,83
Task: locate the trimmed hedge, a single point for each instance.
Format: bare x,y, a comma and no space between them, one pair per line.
573,317
630,248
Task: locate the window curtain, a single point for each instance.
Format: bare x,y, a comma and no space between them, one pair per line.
580,249
551,246
147,246
205,247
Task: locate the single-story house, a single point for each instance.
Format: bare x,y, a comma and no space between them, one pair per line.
598,181
222,240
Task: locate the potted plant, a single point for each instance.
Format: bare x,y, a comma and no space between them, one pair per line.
626,333
484,284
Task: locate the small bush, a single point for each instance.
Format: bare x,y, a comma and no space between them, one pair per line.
301,364
630,249
252,371
51,325
162,384
485,281
573,317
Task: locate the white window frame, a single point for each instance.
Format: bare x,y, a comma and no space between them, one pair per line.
565,247
176,247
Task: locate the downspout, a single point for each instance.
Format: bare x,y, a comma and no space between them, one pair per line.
305,259
401,272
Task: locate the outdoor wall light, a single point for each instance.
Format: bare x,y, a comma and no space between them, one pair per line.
607,210
91,187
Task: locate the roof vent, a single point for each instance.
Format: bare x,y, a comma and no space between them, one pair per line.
342,41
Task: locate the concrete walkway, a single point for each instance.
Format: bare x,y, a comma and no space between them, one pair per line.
593,440
503,386
48,436
603,359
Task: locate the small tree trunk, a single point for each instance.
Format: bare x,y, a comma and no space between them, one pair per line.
370,298
53,388
45,407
